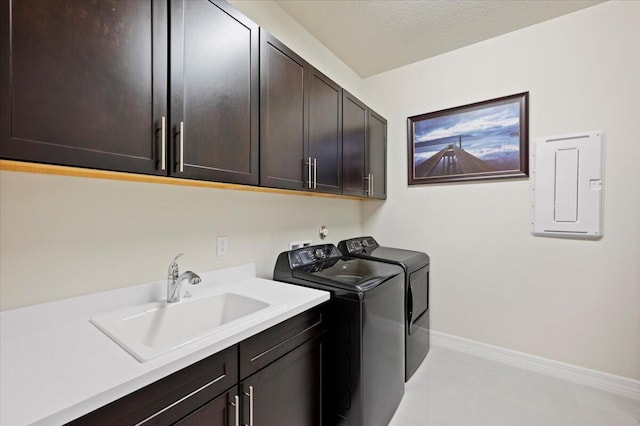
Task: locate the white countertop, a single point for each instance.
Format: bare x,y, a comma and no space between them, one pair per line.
56,366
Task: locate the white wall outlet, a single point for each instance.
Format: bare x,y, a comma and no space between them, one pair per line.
299,244
222,246
295,245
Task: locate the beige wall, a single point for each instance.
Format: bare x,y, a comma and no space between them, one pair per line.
568,300
63,236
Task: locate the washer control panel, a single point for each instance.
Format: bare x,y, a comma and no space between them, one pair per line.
360,245
312,254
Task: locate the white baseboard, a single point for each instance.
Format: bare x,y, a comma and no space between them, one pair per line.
624,386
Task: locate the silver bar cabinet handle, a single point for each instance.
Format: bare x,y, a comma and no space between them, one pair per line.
371,184
368,179
309,172
163,143
236,404
250,395
181,166
315,173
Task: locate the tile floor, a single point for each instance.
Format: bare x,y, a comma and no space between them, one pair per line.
456,389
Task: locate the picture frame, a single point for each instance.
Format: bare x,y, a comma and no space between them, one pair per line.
481,141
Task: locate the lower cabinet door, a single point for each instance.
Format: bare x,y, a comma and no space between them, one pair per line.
173,397
288,391
219,412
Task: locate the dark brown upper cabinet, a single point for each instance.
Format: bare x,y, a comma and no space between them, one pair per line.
364,150
84,83
324,158
301,122
354,151
283,116
214,93
377,155
184,88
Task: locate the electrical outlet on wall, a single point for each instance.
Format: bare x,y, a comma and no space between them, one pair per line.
222,246
299,244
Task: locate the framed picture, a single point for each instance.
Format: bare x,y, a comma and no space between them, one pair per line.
484,140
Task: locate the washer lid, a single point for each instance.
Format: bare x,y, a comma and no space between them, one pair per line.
347,273
409,259
367,247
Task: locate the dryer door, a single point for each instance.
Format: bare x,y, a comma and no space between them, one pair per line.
417,298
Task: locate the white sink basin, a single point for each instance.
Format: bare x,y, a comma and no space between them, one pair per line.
153,329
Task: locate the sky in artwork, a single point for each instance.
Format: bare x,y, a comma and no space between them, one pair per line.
490,134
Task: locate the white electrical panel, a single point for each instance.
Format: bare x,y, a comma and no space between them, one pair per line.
567,182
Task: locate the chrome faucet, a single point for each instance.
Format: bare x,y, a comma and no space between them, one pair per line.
174,280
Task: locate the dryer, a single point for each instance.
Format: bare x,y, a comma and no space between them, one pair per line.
415,265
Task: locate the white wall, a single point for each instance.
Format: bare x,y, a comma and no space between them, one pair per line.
282,26
568,300
66,236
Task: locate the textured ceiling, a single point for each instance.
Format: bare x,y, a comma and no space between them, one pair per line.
373,36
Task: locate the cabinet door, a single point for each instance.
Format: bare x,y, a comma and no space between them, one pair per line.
288,391
219,412
377,155
264,348
173,397
283,115
354,140
214,92
84,83
325,133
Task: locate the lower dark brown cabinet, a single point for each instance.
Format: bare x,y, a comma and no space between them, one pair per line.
219,412
288,391
272,378
171,398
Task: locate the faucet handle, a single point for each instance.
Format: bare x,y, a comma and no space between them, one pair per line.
172,275
175,259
